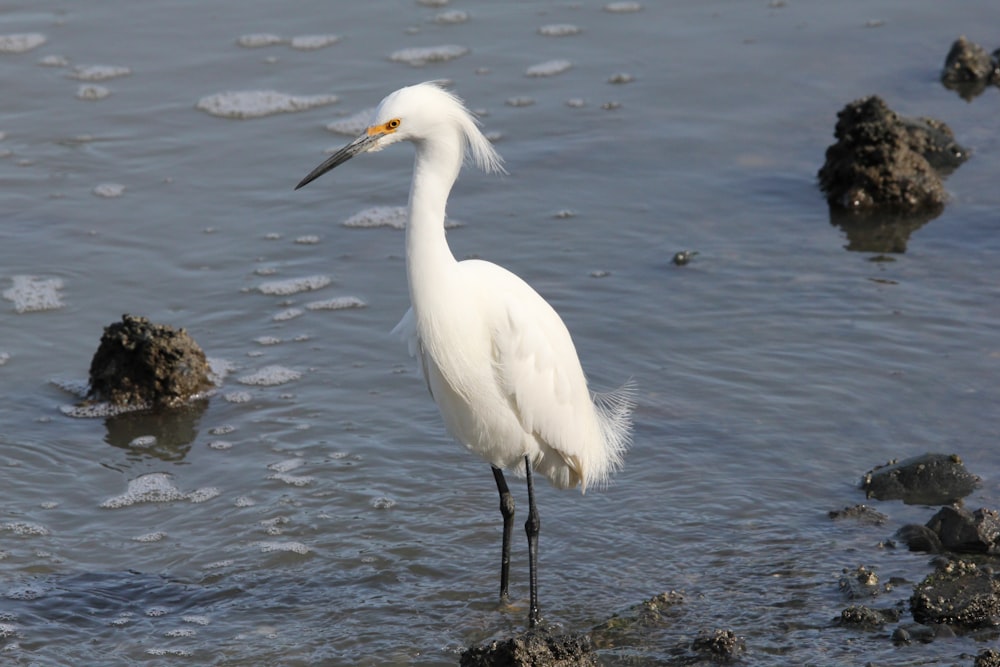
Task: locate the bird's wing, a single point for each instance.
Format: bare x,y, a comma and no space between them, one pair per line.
537,368
406,331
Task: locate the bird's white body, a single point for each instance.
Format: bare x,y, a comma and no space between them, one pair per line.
498,360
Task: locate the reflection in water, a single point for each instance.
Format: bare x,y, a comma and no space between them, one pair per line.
175,429
886,233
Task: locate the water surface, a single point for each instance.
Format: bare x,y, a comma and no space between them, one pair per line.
328,519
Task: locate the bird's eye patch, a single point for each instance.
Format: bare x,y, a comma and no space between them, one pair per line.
385,128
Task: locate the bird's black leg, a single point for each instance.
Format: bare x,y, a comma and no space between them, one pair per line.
507,510
531,527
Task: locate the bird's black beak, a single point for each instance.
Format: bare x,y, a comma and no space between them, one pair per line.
363,143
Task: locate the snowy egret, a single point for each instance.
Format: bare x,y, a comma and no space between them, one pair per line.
496,357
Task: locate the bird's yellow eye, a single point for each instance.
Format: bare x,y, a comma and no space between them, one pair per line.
392,124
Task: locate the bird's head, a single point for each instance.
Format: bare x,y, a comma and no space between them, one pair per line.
425,112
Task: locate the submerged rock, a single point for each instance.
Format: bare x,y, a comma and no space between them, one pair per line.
931,479
886,169
139,364
861,513
968,68
866,618
636,622
719,645
960,594
536,647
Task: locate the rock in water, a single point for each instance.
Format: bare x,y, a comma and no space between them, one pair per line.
885,163
536,647
968,68
139,364
931,479
960,594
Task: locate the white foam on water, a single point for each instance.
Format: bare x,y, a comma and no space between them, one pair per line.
25,528
33,294
242,104
353,125
313,42
386,216
91,93
180,632
54,61
257,40
222,429
195,619
624,7
100,410
218,564
549,68
4,358
21,42
293,547
270,376
109,190
99,72
244,501
383,503
143,441
287,314
294,285
220,445
338,303
620,78
308,239
452,17
286,466
176,652
519,101
559,30
150,537
433,3
421,55
293,480
237,397
156,487
8,630
267,340
379,216
204,494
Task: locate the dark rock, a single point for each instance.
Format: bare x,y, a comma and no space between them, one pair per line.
860,513
959,594
684,257
931,479
139,364
534,647
719,645
966,61
987,658
968,69
967,532
866,618
885,167
920,538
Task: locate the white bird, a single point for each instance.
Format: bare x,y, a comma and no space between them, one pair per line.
497,359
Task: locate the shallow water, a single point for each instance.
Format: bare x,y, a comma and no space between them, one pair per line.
327,519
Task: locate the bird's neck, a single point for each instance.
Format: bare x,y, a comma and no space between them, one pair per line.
428,258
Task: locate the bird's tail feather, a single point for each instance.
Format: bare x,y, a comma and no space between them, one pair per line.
614,414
